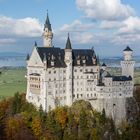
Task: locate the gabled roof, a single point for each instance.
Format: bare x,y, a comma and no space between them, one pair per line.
47,23
59,56
127,49
57,53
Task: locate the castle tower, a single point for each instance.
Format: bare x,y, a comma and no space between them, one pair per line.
68,61
128,64
48,34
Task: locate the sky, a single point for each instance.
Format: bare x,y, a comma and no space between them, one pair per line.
107,25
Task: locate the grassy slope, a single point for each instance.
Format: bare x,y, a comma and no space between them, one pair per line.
11,81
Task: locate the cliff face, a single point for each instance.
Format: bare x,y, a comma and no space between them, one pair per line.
133,105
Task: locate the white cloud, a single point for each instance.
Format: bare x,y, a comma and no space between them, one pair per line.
105,9
76,26
26,27
130,25
6,41
80,33
110,24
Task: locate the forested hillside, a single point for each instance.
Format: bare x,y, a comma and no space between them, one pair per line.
20,120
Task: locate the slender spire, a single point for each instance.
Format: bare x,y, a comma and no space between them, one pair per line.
27,57
68,44
35,44
47,23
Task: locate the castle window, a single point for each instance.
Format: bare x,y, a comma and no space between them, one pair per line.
64,71
49,79
80,70
54,71
49,72
94,94
81,77
87,95
75,70
77,77
81,95
77,95
120,94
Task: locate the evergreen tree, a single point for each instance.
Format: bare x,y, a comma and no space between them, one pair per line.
82,128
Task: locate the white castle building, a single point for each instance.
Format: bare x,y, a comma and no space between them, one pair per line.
57,77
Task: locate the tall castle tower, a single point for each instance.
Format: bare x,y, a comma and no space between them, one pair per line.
128,64
47,35
68,61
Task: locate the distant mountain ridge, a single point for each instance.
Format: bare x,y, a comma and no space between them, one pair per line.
12,54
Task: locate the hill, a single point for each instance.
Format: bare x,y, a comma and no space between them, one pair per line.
20,120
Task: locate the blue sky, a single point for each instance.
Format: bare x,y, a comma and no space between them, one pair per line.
108,25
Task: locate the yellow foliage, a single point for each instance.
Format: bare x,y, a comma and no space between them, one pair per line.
36,127
61,117
12,127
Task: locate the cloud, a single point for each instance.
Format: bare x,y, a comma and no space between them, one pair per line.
130,26
80,33
6,41
26,27
105,9
76,26
110,24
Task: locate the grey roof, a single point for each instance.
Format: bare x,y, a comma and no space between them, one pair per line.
122,78
59,54
68,44
56,53
47,23
127,49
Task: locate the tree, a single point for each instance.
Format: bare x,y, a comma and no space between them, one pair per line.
82,128
103,116
16,104
36,127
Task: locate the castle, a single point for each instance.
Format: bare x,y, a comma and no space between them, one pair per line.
57,77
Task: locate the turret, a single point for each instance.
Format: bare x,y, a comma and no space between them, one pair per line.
128,64
68,61
104,66
68,50
47,35
127,54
